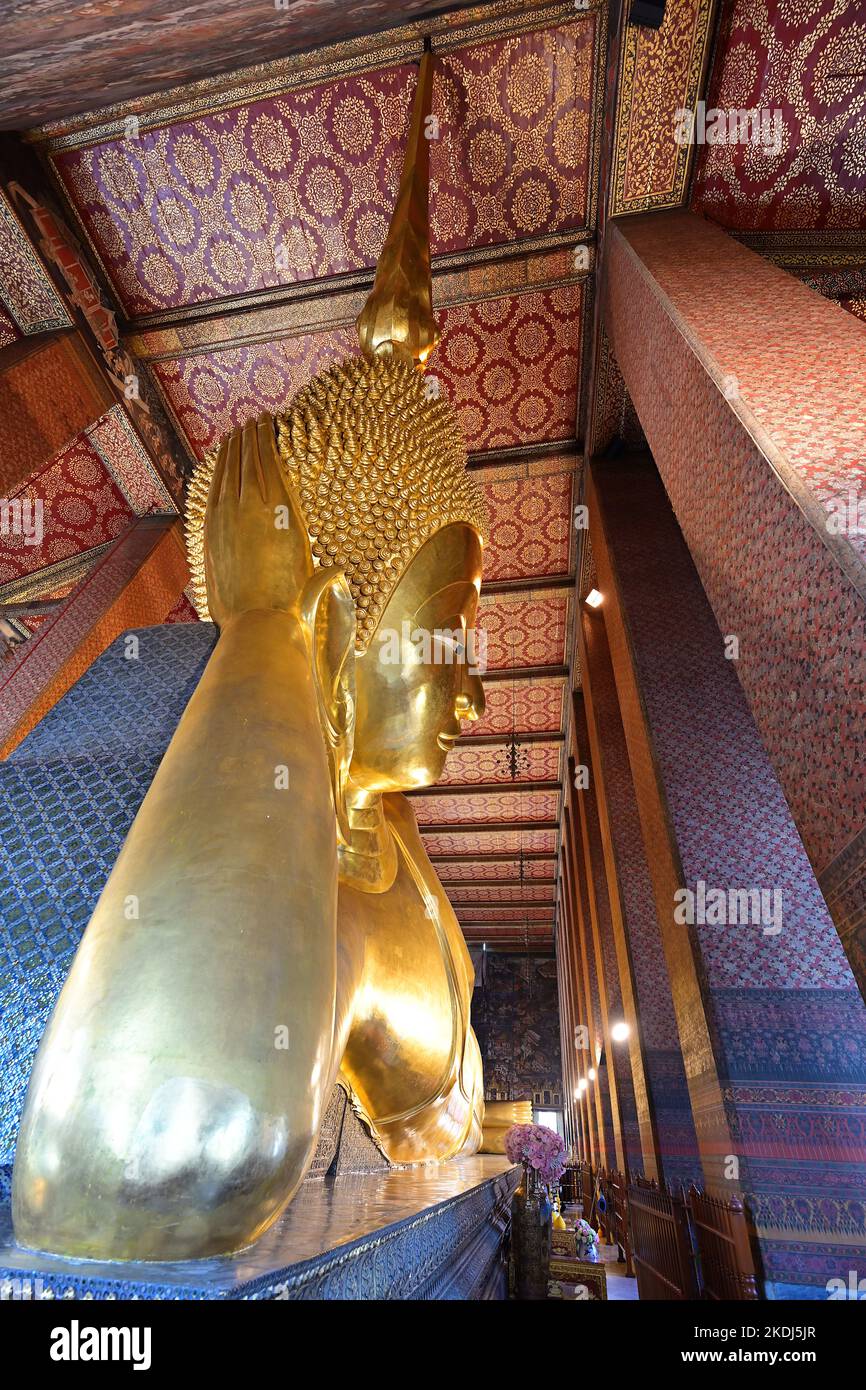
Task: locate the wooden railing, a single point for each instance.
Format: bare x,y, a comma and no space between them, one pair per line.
661,1244
616,1197
680,1247
727,1269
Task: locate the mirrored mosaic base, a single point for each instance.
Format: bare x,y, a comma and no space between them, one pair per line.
433,1232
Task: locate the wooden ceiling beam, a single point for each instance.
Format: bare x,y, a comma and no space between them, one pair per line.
478,827
527,585
486,789
492,857
343,290
462,908
517,673
493,740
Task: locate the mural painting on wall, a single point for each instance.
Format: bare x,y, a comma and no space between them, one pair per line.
515,1014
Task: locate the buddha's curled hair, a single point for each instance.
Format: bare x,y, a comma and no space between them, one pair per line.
378,465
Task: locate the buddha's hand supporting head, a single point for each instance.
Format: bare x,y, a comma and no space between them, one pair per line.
256,549
250,554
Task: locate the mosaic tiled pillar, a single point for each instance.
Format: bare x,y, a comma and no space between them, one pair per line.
601,930
668,1141
566,1026
749,387
598,1098
136,583
580,1042
771,1024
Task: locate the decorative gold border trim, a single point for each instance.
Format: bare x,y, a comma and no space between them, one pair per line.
675,196
42,582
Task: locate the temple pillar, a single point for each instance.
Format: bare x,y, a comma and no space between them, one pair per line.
771,1025
748,385
590,1055
667,1134
619,1069
577,1053
566,1021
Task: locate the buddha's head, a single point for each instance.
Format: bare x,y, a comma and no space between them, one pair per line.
380,473
394,526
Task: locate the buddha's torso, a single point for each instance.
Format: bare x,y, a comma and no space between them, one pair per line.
410,1055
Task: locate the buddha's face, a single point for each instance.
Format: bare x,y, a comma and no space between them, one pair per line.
417,680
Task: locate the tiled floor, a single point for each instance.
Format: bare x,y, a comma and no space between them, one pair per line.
620,1288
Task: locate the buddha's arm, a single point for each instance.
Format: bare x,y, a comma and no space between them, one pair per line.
178,1089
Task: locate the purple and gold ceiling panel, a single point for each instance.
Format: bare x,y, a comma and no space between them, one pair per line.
513,154
510,366
212,393
523,706
27,294
488,764
529,630
271,192
507,870
529,521
514,895
299,186
504,806
803,66
473,842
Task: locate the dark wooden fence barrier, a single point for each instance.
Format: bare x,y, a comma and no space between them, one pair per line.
661,1244
680,1247
616,1196
725,1254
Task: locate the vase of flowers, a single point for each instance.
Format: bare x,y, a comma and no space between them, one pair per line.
587,1240
541,1153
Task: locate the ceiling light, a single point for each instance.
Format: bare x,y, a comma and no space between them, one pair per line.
620,1031
591,1073
581,1085
594,599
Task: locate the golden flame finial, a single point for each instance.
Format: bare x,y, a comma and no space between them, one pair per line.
397,319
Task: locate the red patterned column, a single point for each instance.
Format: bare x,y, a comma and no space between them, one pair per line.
749,387
772,1026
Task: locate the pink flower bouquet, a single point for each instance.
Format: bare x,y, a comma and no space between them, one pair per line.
541,1148
587,1239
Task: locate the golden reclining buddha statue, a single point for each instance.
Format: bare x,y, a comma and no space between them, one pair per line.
272,920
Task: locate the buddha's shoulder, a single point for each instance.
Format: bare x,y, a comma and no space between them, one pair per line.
400,815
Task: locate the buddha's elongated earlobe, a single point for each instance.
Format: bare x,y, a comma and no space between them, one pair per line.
328,615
